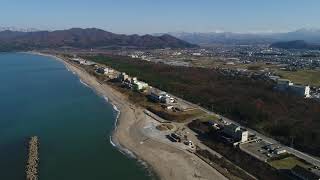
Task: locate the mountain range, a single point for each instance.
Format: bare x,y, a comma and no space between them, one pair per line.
298,44
212,38
84,38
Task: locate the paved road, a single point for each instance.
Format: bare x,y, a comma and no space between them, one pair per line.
311,159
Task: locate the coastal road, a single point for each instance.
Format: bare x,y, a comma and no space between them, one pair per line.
311,159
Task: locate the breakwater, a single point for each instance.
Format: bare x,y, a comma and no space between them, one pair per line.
33,159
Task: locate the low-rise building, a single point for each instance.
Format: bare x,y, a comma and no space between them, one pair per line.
123,77
108,71
280,151
236,132
286,85
87,63
139,85
300,90
159,96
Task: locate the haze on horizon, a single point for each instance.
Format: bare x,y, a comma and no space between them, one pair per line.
145,16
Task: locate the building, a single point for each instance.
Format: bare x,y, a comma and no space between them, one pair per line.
159,96
140,86
87,63
100,70
274,78
236,132
280,151
300,90
123,77
196,54
285,85
108,71
306,173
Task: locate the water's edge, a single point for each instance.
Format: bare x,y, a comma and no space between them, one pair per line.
112,140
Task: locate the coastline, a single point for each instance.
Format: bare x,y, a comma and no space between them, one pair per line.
162,161
114,143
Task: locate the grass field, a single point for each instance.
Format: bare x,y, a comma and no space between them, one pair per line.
305,77
209,117
288,163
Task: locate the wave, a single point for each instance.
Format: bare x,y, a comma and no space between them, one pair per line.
68,69
123,150
84,83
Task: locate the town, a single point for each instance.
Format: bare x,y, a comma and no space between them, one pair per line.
259,62
183,124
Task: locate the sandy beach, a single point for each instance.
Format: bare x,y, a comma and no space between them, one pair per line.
164,160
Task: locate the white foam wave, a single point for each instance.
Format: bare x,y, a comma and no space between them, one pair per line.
115,108
84,83
68,69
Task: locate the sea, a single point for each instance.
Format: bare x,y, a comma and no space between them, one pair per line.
40,97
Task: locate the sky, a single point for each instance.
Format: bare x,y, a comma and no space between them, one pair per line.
158,16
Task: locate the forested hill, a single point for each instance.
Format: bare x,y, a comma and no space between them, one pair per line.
84,38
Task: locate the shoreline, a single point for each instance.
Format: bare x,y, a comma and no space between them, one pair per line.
112,141
160,160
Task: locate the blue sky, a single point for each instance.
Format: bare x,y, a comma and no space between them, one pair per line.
151,16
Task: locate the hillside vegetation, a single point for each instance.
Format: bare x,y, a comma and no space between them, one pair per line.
84,38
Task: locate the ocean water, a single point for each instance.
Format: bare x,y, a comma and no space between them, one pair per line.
39,96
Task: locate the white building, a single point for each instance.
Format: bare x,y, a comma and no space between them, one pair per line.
159,96
196,54
139,85
87,63
286,85
108,71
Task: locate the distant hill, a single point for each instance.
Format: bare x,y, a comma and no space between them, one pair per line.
84,38
297,44
211,38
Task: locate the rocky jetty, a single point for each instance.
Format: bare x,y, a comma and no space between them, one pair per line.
33,159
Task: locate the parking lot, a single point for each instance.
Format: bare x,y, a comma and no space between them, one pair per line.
256,149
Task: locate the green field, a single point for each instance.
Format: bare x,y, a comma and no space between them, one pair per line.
288,163
305,77
209,117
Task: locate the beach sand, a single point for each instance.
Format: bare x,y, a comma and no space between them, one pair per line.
165,161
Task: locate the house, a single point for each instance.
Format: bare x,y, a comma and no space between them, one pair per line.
306,173
236,132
